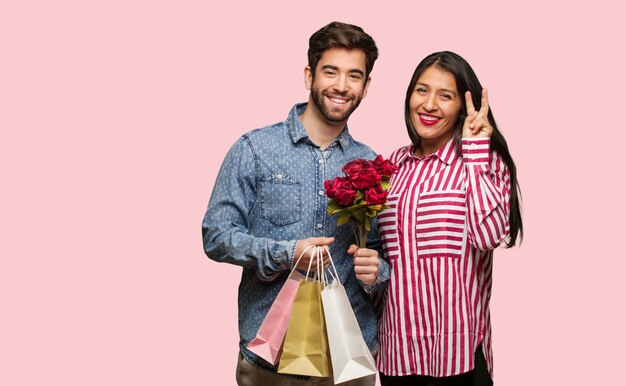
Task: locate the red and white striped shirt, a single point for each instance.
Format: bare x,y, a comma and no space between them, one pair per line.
447,213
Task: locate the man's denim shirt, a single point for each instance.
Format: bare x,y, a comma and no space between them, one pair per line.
269,194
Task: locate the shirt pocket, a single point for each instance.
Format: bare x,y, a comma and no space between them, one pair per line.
440,225
280,199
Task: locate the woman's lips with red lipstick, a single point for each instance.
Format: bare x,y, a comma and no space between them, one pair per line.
428,120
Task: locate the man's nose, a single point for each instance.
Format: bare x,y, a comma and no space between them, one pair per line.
341,85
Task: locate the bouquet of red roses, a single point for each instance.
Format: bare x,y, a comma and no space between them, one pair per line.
361,194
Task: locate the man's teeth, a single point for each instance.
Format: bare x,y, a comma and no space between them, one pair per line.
337,100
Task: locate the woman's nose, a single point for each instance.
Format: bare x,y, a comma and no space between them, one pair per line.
430,103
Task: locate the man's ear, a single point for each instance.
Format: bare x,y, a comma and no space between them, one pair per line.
367,85
308,78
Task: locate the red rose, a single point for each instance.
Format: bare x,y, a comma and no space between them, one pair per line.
376,195
341,189
365,178
384,167
355,166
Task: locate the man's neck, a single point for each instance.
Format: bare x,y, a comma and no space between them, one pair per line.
321,131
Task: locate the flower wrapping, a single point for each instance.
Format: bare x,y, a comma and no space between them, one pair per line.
360,194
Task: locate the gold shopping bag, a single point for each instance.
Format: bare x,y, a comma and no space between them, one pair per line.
305,349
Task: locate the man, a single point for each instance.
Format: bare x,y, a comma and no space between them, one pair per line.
268,203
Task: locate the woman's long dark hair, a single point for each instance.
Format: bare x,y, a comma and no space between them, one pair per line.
466,80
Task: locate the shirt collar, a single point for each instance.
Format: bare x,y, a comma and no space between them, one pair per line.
298,132
446,154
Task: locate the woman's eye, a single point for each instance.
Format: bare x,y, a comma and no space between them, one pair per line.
420,90
446,96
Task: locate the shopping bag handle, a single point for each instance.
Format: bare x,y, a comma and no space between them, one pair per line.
300,257
314,253
332,264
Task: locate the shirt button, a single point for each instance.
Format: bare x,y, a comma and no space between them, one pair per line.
319,226
321,192
279,175
320,161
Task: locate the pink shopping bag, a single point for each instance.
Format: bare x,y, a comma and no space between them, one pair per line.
269,339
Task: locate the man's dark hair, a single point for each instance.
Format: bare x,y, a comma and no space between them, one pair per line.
342,35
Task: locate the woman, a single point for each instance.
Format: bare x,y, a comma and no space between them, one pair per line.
453,200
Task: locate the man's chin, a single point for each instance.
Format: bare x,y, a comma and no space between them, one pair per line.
337,117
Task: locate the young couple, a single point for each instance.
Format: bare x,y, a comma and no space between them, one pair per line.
453,200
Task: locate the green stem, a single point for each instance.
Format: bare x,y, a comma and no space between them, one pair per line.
362,236
357,238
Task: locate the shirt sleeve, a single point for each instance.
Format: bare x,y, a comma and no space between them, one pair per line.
488,183
225,227
374,242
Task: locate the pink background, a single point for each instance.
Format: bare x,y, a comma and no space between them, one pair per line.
114,119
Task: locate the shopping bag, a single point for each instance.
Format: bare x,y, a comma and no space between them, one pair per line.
269,339
305,349
351,358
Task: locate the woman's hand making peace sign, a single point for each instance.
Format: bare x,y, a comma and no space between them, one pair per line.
477,122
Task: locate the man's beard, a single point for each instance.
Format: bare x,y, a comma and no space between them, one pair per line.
318,97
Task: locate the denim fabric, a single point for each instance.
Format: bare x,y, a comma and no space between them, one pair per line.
269,193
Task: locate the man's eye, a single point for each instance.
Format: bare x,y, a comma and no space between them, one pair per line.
355,76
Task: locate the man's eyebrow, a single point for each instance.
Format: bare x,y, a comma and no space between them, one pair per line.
335,68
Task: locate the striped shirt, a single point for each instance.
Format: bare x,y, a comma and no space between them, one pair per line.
447,213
